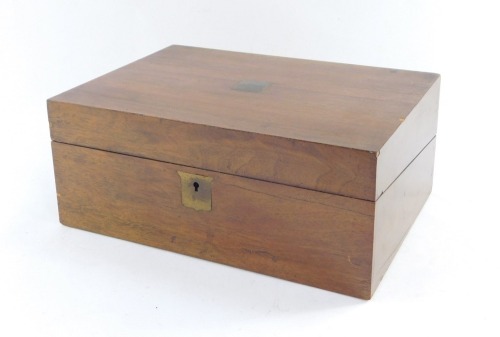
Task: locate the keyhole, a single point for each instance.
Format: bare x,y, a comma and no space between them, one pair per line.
196,185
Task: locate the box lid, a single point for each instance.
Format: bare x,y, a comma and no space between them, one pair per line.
337,128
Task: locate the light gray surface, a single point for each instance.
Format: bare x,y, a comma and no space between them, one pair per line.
58,281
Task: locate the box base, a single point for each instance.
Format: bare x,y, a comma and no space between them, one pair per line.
314,238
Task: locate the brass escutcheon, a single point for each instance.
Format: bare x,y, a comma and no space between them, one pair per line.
196,191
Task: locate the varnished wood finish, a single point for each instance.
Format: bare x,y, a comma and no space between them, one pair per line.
313,166
318,125
397,209
304,236
327,241
410,138
317,177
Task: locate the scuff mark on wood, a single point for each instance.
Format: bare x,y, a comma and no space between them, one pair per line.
262,253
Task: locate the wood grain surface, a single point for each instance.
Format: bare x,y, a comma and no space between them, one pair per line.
319,169
304,236
328,103
308,165
397,209
316,125
410,138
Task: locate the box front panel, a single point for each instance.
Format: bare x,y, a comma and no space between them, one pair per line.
300,235
313,166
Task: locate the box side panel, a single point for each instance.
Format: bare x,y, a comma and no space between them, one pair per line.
415,132
397,209
314,166
299,235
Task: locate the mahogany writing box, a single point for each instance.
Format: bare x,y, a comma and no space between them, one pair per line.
308,171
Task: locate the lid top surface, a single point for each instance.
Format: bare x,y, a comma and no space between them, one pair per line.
330,103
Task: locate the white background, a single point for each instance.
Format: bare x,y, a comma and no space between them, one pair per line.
58,281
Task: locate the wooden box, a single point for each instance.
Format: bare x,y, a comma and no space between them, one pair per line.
308,171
